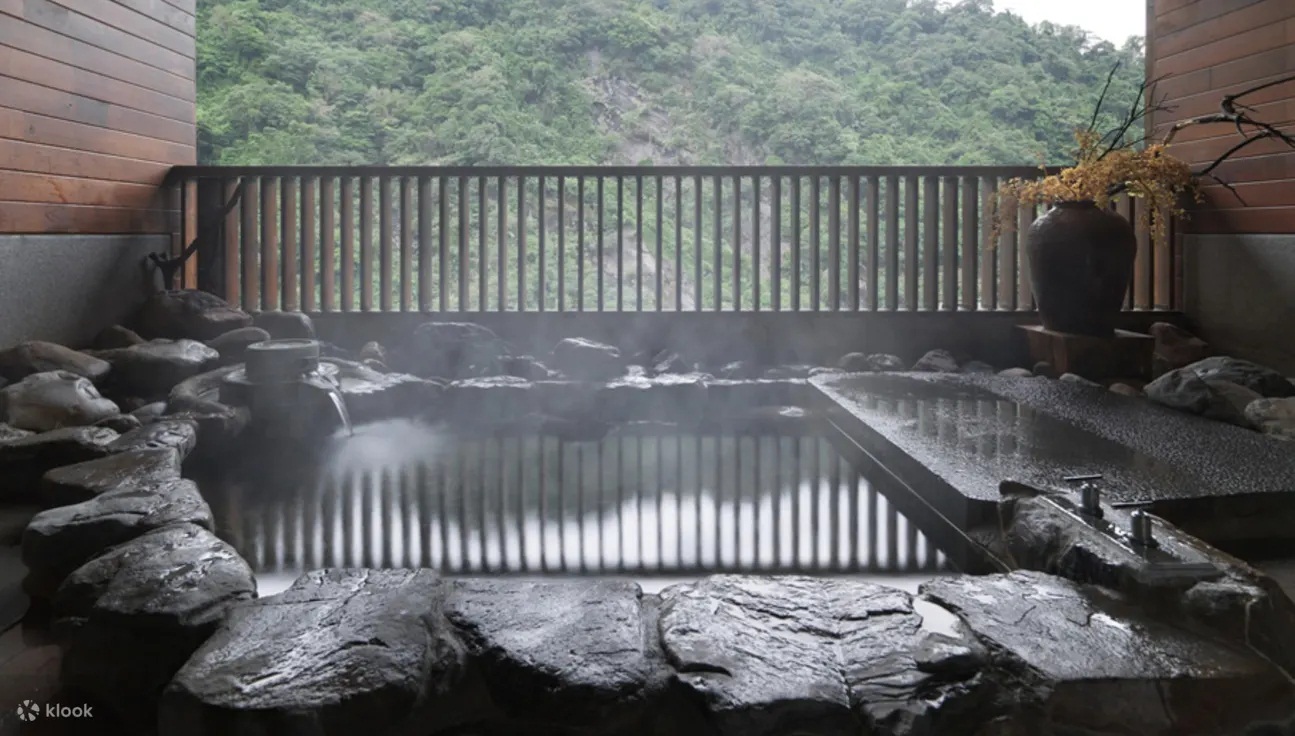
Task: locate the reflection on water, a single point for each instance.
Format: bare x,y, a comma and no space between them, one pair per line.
399,494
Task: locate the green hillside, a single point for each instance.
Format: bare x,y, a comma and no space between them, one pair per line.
636,81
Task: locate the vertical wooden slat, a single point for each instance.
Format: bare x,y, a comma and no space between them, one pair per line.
873,204
1008,267
853,243
562,243
659,267
757,206
580,243
678,243
251,243
465,262
1024,292
327,244
911,256
426,249
386,234
1143,273
638,243
930,242
988,251
269,243
521,243
892,242
233,289
348,244
968,249
834,244
620,243
541,208
775,242
501,242
717,212
483,270
816,242
406,244
366,243
698,279
737,243
949,244
188,227
443,243
291,271
309,245
602,192
795,243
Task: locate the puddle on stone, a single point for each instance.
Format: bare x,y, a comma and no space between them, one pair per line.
678,504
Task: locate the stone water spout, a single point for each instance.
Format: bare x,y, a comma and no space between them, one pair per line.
284,383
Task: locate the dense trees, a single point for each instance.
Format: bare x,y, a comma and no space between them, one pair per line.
628,81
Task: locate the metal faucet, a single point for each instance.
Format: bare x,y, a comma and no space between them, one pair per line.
1090,499
1140,529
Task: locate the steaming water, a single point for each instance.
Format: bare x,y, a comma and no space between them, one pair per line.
400,494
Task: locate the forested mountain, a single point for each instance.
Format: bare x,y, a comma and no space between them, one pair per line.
638,81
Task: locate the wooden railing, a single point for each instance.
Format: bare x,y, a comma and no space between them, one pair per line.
460,239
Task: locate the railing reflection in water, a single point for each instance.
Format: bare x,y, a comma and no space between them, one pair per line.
639,503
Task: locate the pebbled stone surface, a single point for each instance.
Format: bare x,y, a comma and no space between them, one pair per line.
340,652
58,541
26,358
83,481
130,618
45,401
25,458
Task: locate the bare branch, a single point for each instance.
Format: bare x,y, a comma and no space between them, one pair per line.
1092,124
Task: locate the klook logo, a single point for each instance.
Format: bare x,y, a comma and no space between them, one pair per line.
28,711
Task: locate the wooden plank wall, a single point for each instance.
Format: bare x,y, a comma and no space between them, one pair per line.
97,102
1210,48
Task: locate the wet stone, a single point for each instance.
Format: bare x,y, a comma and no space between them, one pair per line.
232,346
1016,373
738,370
884,363
24,459
1183,389
1044,368
586,360
484,401
153,368
121,423
1083,644
1078,379
1125,389
1274,417
83,481
285,325
976,366
346,651
783,372
58,541
45,401
668,361
853,363
188,313
371,395
525,366
449,351
150,413
27,358
937,361
567,657
1176,347
373,350
116,336
131,617
8,433
180,435
1263,381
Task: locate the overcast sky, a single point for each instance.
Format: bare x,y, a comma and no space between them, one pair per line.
1113,20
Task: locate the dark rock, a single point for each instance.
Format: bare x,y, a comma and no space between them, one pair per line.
1275,417
1083,645
58,541
347,651
83,481
809,655
780,372
121,423
232,345
1184,390
937,361
885,363
219,431
738,370
1125,389
200,393
569,657
485,401
940,654
825,371
666,397
977,366
150,413
854,363
1045,369
180,435
1176,347
191,314
130,618
285,325
586,360
1078,379
1016,373
450,350
371,395
375,365
153,368
23,460
373,350
8,433
45,401
28,358
668,361
1264,381
116,336
525,366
